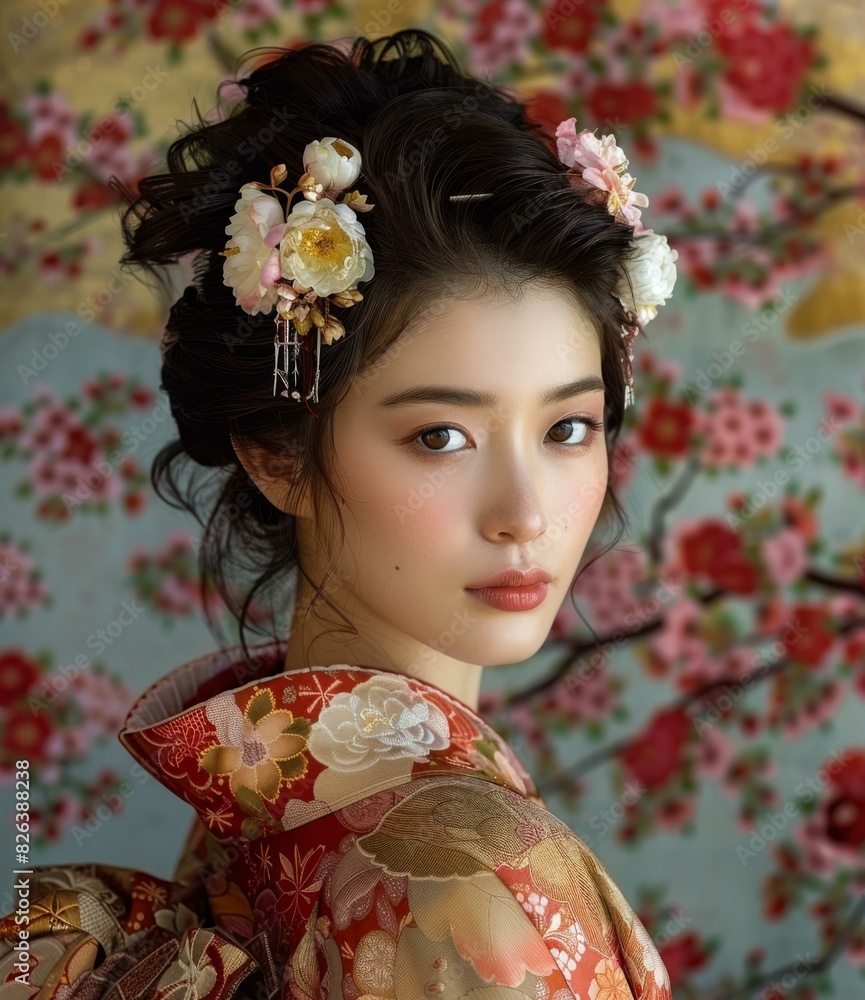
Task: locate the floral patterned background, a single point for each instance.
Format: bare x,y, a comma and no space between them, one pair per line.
706,736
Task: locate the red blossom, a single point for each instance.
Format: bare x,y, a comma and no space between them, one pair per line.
178,20
92,195
807,637
683,955
25,734
18,672
547,108
714,549
566,28
666,428
13,141
766,64
80,445
622,103
653,758
44,157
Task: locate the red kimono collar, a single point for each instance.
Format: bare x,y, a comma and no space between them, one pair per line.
253,748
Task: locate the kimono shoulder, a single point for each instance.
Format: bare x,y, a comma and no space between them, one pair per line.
449,885
442,886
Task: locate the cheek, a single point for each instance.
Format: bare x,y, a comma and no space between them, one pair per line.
584,498
395,505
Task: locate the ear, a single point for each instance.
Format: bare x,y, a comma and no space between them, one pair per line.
273,474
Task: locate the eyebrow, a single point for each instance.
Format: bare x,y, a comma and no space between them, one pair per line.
474,398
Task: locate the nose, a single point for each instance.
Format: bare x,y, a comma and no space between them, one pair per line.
514,510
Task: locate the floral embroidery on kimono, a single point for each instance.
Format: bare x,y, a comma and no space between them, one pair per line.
360,834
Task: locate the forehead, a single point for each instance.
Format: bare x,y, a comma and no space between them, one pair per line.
494,341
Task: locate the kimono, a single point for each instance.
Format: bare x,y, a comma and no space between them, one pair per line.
360,834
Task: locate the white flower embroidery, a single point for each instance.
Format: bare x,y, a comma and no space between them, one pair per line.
381,719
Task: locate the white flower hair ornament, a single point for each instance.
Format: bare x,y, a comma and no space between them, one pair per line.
302,262
652,271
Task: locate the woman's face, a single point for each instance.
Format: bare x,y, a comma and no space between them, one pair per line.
441,494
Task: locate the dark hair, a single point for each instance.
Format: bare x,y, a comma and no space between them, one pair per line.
425,131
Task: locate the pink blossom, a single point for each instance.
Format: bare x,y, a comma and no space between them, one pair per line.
738,431
623,461
51,115
746,217
675,20
735,108
784,556
842,409
19,589
713,753
608,585
678,641
499,32
254,13
675,814
604,164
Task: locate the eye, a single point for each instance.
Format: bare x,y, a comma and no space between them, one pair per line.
436,436
586,426
435,439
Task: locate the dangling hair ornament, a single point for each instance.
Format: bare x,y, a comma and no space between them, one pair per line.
652,271
301,262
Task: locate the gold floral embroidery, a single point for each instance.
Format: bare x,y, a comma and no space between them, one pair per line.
258,748
609,982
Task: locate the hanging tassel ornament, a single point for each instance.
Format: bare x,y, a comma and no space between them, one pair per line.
298,373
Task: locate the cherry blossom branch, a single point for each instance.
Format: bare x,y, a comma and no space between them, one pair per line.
807,215
820,965
563,666
566,778
821,579
576,650
844,106
665,504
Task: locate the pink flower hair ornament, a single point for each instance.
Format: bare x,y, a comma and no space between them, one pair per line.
302,262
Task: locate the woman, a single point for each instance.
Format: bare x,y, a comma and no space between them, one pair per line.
425,473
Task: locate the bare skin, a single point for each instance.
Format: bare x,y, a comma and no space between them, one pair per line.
516,484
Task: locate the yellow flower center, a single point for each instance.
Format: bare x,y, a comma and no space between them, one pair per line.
318,243
374,720
342,149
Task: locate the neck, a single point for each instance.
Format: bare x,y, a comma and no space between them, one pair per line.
376,644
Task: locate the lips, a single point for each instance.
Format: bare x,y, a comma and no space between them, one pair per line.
513,578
